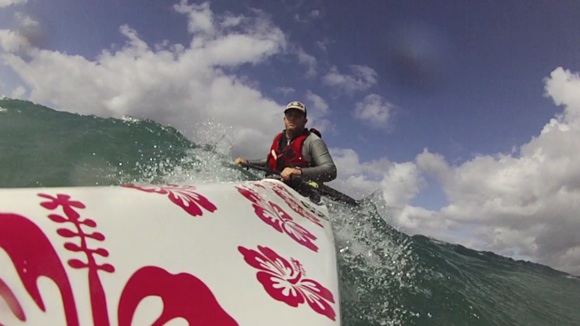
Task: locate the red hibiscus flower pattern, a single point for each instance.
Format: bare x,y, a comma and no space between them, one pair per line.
281,221
34,256
295,206
182,195
286,283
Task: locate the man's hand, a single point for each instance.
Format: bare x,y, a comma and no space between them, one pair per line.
288,172
240,160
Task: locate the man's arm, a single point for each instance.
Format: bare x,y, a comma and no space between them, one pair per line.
241,160
323,168
260,162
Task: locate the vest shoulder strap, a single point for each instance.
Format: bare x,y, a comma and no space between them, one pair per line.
316,132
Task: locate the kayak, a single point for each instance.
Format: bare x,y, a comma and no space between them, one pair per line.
245,253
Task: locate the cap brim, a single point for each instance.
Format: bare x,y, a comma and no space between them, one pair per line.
295,108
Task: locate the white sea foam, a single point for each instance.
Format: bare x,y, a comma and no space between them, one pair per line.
127,118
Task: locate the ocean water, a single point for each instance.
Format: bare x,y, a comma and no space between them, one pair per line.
386,276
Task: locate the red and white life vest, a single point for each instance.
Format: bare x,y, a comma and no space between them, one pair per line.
290,155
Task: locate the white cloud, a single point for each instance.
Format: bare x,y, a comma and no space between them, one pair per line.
360,79
174,84
6,3
523,204
18,92
318,107
433,165
563,87
286,91
26,21
308,17
374,111
358,178
200,17
314,14
323,44
401,183
13,42
309,61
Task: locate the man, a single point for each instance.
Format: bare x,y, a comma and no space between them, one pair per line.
297,150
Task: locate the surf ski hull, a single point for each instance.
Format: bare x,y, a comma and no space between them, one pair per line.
248,253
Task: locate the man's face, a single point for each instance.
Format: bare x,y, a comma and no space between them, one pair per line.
294,120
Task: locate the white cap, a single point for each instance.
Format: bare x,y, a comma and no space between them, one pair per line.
296,105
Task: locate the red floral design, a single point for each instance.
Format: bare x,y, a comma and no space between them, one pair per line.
286,283
78,231
33,256
294,205
251,195
64,201
276,217
183,295
182,195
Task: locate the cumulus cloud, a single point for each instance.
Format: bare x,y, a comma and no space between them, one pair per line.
29,34
286,91
6,3
434,165
319,107
309,61
12,42
562,87
174,84
201,18
308,17
374,111
323,44
361,78
401,183
357,178
18,92
523,204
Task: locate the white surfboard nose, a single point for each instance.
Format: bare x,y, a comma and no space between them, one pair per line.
252,253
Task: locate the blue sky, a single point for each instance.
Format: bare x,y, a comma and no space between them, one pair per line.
463,112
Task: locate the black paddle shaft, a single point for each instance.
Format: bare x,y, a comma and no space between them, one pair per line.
323,189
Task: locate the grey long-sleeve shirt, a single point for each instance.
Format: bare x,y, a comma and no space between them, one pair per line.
314,150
